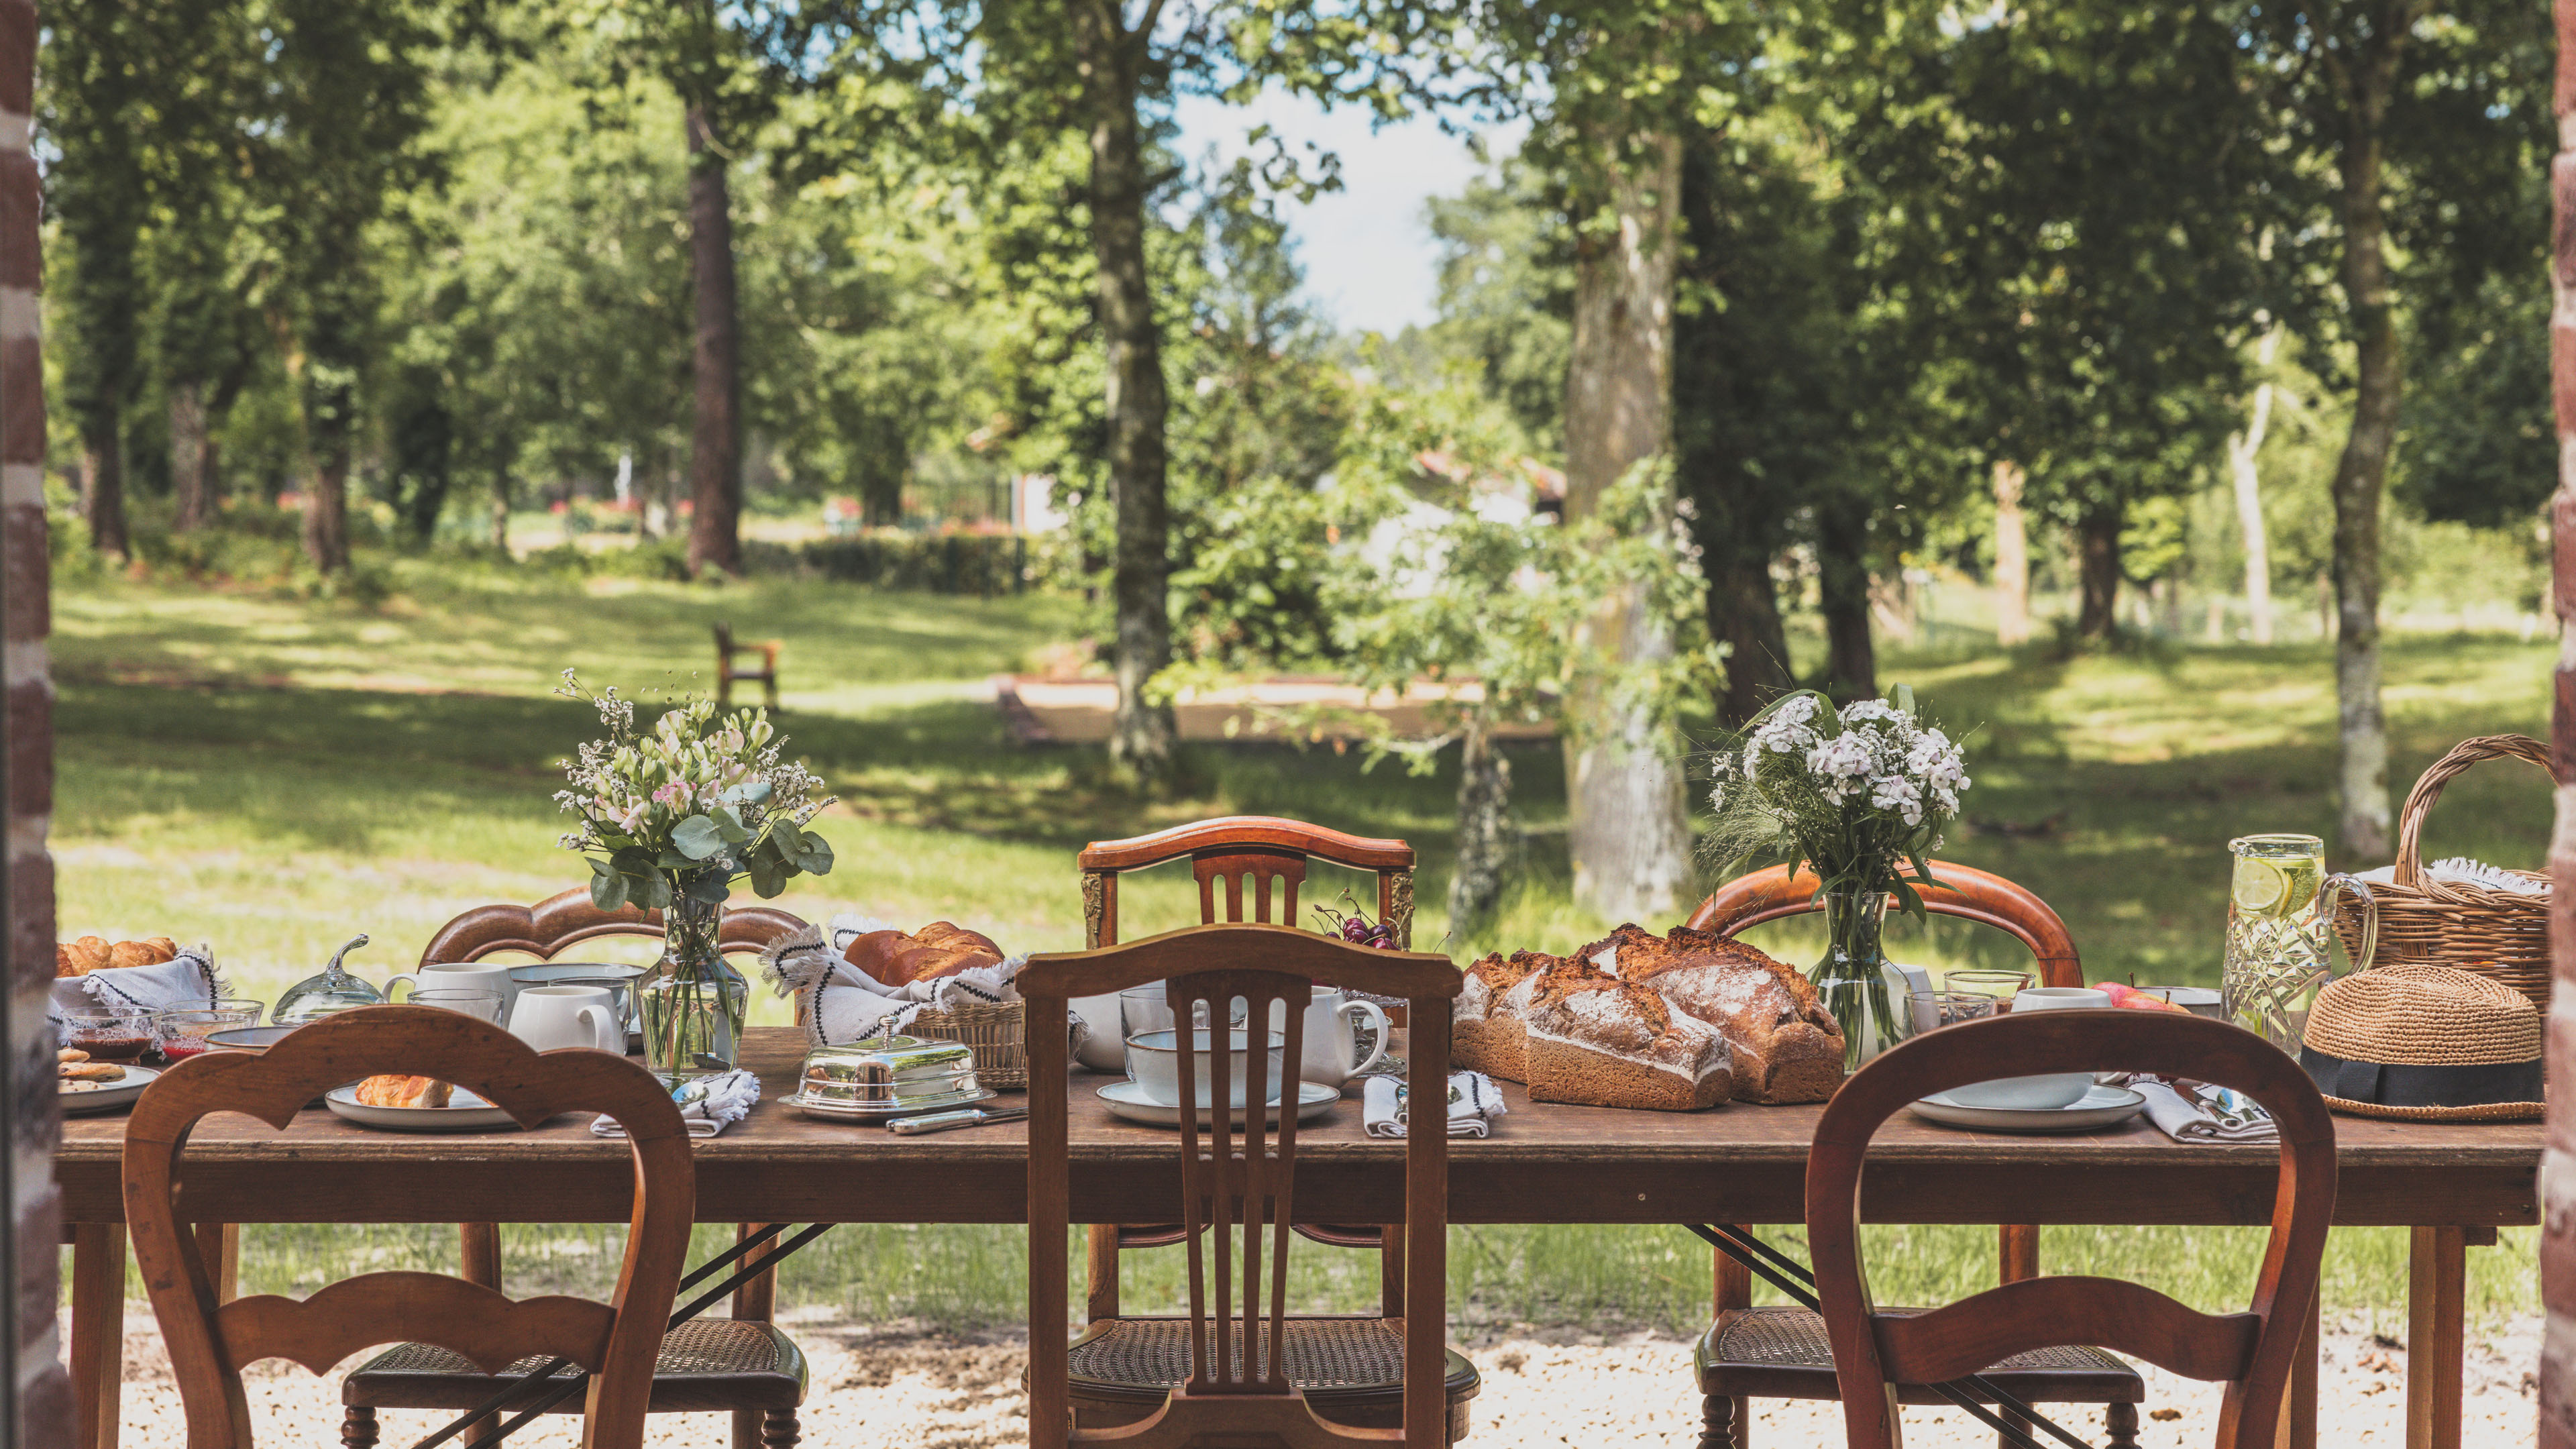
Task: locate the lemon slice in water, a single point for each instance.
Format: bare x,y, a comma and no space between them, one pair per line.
2260,886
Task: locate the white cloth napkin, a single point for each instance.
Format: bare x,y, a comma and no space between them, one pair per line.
2189,1119
1474,1103
190,978
708,1105
843,1004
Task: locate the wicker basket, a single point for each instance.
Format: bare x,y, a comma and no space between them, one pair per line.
2502,934
996,1033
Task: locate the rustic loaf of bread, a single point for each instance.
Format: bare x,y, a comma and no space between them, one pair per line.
1598,1041
1486,1032
1786,1046
898,958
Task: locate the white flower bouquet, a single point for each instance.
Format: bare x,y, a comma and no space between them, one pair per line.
1861,794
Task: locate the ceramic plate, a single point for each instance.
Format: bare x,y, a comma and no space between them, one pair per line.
2100,1107
853,1112
1128,1100
110,1095
464,1112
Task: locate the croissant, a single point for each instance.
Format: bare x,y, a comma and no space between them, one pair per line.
82,957
131,953
396,1091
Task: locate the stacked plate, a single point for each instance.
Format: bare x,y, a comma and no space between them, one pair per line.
894,1076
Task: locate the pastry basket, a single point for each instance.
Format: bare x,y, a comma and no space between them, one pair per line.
995,1032
2415,917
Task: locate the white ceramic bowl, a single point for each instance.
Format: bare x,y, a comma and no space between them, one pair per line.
2048,1091
1154,1057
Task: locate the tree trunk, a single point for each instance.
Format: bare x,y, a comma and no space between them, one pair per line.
2558,1187
2012,557
1842,589
1141,734
1744,615
191,456
501,516
2361,475
326,507
1484,831
2242,450
715,364
2097,552
1628,831
103,488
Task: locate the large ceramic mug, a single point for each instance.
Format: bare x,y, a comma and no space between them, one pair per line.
1154,1058
2050,1090
466,975
1331,1050
550,1017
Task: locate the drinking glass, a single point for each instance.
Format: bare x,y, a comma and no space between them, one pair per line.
2276,936
180,1032
473,1001
1949,1008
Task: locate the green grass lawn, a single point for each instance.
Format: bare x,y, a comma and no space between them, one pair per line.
276,776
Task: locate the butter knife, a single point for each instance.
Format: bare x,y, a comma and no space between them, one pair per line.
942,1121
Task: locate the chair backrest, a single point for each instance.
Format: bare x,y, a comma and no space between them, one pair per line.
1238,1179
2251,1351
1963,891
545,929
724,643
210,1342
1261,848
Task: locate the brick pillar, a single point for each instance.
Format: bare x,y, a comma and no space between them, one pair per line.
2558,1164
38,1390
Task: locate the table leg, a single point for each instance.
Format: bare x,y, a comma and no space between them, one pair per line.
219,1248
2436,1291
98,1331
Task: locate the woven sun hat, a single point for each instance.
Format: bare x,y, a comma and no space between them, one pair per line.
2421,1043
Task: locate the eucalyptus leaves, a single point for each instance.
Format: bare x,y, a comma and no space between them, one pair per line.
700,802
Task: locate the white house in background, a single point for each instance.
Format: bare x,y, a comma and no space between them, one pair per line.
1407,551
1033,507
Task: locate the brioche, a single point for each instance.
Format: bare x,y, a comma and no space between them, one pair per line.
1786,1047
400,1091
1597,1041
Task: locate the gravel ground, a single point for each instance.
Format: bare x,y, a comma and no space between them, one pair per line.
1542,1389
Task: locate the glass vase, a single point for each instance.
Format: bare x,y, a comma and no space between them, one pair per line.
692,1005
1854,980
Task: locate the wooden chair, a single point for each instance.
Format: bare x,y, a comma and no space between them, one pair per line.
210,1342
1269,852
742,1364
1241,1373
1880,1354
727,672
1753,1353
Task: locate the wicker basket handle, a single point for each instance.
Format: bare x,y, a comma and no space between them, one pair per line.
2419,801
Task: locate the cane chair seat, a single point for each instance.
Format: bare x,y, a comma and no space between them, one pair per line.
1783,1353
1350,1369
706,1364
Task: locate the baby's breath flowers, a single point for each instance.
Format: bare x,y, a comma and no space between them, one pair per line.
1859,793
696,803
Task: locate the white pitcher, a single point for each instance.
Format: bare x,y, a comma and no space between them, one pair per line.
1331,1054
549,1017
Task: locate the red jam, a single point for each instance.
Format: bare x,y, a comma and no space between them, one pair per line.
180,1048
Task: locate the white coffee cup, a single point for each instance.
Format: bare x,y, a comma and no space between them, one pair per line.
1331,1047
471,975
551,1017
1154,1059
2049,1090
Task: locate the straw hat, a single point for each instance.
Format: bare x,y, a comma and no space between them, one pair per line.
2422,1043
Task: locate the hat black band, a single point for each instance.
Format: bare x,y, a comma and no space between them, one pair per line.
2385,1085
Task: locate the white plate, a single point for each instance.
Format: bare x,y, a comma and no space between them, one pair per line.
464,1112
1128,1100
119,1093
2100,1107
856,1112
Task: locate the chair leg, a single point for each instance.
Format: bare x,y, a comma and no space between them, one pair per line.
1718,1423
2120,1426
358,1428
778,1429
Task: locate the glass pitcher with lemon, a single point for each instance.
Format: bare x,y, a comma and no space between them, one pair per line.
2276,935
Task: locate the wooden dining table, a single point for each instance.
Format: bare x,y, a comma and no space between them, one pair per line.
2452,1185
